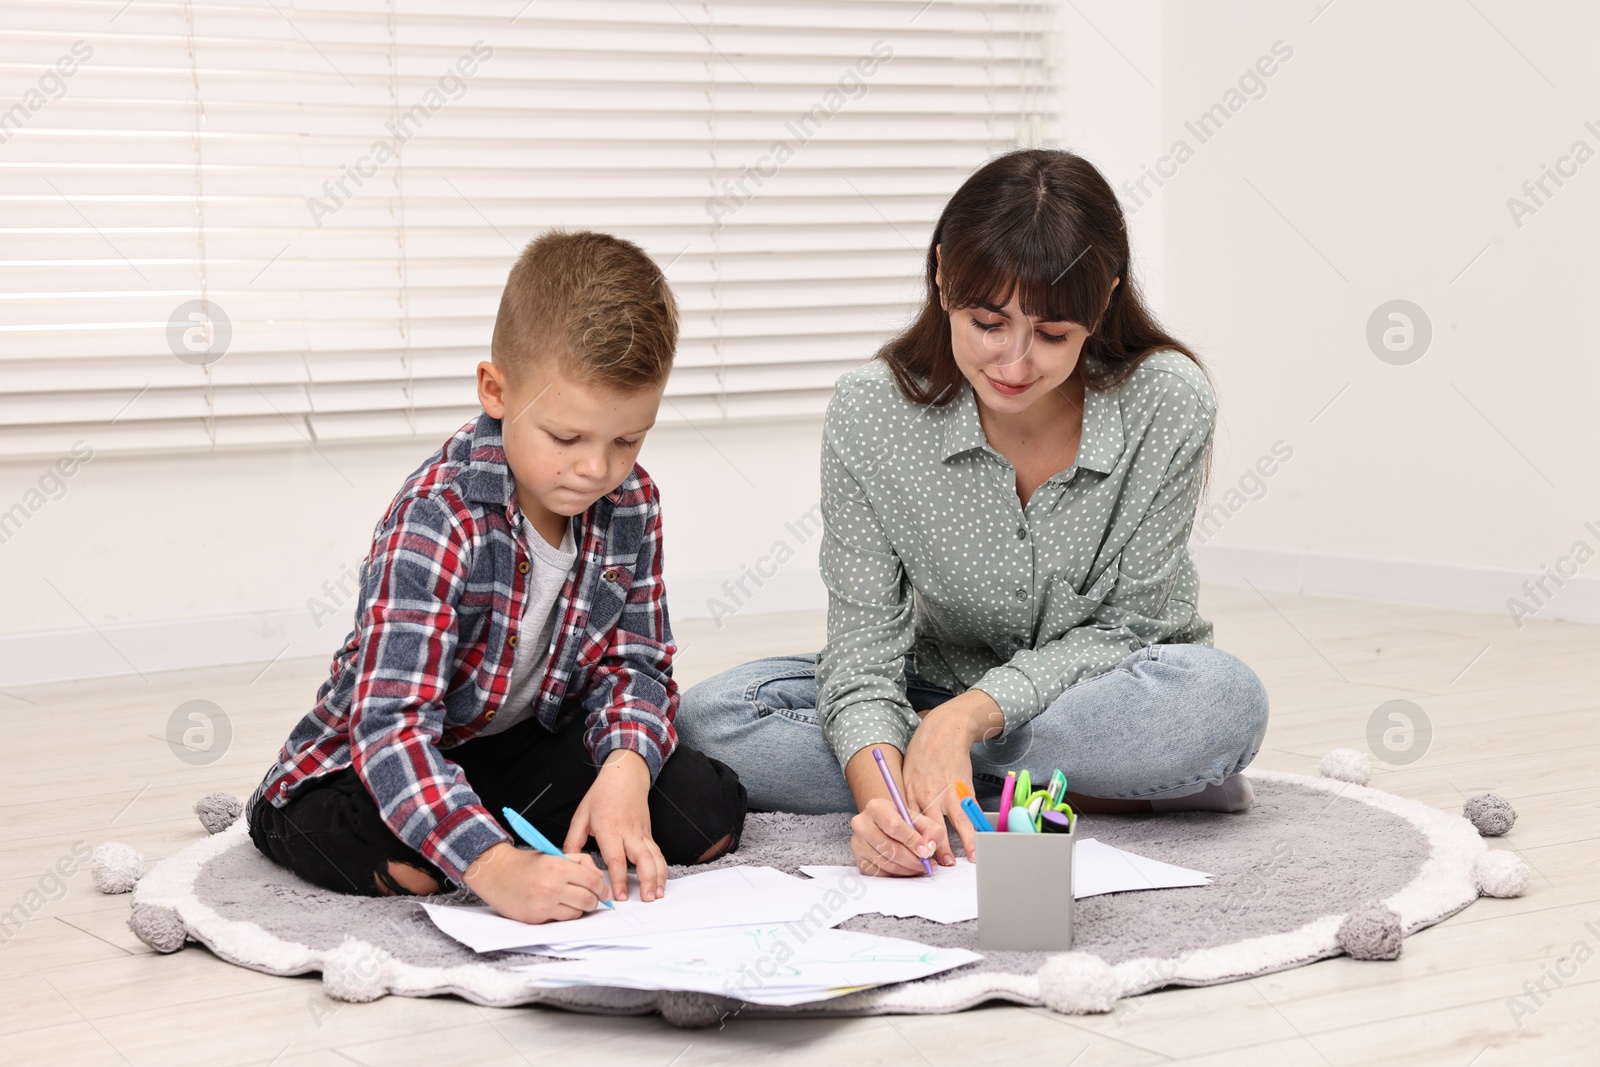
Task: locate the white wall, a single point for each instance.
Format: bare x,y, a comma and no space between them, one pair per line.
1378,166
159,562
102,580
1109,61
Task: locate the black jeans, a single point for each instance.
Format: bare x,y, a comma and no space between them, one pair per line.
331,834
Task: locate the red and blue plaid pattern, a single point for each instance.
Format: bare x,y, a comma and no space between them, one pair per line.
429,661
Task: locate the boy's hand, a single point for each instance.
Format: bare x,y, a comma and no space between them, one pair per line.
616,813
531,887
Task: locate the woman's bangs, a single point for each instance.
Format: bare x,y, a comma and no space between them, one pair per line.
1050,288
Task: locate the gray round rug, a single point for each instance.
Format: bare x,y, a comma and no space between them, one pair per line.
1284,876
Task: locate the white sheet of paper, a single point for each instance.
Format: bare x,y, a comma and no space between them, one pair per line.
582,952
760,964
950,895
730,896
1101,868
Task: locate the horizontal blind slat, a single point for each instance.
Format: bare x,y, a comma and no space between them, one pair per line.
357,176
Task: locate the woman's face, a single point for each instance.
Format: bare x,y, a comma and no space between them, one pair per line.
1012,360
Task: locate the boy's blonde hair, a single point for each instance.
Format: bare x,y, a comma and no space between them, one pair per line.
596,303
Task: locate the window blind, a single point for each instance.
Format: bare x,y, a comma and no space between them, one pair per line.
264,221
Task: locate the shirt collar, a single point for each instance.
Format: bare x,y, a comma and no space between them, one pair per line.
487,478
1104,439
1101,445
963,432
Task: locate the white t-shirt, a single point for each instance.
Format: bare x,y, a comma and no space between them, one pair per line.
546,575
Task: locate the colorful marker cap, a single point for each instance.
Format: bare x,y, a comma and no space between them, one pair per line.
1058,787
1053,822
1019,823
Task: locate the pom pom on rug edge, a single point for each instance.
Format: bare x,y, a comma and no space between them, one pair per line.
159,927
218,811
1371,932
356,972
1079,983
1501,873
1491,813
115,867
1347,765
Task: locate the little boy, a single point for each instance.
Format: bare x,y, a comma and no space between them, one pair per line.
514,582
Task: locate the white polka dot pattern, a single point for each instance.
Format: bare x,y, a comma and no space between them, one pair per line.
927,548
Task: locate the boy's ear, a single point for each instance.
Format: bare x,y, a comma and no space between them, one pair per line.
492,390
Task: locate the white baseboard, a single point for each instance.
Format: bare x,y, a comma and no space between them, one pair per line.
143,648
1454,586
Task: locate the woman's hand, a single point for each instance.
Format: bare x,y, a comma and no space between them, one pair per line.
882,843
940,754
531,887
880,840
616,812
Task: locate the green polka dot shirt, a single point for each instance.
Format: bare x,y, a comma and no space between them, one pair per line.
928,550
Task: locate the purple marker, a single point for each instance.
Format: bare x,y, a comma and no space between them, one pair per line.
1053,822
899,804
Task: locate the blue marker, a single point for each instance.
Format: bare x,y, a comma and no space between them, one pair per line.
525,830
980,821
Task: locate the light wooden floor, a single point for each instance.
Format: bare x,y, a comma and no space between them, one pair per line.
1512,711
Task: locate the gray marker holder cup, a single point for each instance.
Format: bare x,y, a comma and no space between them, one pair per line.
1025,890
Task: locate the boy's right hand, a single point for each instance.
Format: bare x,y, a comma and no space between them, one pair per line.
531,887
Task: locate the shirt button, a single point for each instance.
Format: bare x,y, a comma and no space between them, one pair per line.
1022,594
610,575
489,715
522,568
1022,533
512,640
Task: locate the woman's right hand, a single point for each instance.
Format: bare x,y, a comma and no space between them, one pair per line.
531,887
880,839
883,844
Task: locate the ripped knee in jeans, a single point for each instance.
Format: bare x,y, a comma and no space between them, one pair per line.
402,879
720,848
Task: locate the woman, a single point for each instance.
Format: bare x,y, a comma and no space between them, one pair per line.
1007,495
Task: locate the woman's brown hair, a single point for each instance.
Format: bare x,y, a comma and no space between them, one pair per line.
1046,224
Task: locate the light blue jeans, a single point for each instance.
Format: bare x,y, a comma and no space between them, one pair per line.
1166,722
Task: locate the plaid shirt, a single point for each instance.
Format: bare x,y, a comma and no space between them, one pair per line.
429,662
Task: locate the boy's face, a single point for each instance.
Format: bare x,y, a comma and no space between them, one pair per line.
568,442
